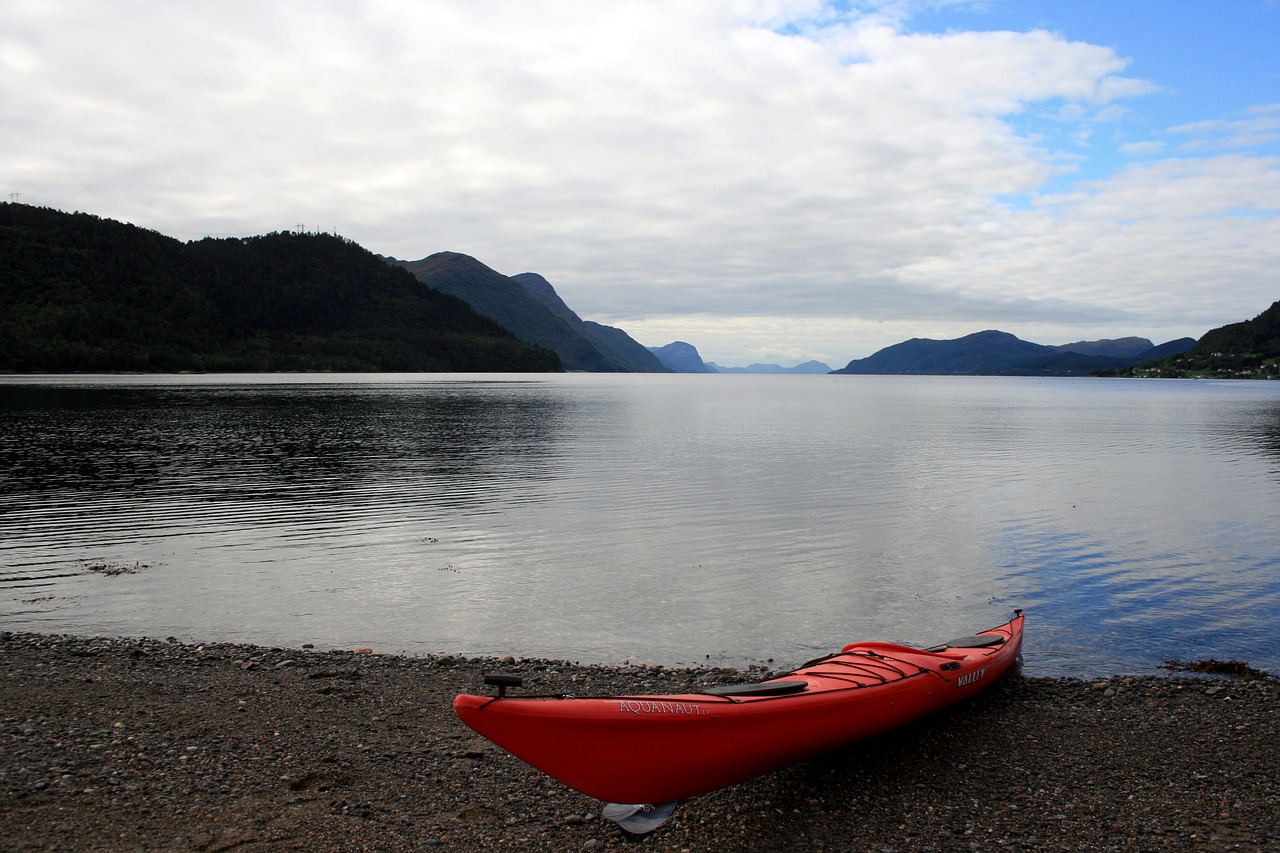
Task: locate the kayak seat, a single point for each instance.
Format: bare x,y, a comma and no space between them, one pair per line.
764,688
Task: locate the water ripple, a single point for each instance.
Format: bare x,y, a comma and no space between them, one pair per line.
662,518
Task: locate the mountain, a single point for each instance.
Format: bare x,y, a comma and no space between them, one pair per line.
615,344
681,357
1171,348
808,367
979,353
1238,350
995,353
1118,348
80,293
530,310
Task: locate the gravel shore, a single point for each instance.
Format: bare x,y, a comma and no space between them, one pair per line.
125,744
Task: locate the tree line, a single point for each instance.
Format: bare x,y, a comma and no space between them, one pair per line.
81,293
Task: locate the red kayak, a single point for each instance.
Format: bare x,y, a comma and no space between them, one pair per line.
659,749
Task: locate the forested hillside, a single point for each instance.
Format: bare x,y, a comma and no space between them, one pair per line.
1246,350
80,293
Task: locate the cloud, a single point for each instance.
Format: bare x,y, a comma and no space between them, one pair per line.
727,167
1144,147
1177,241
1259,126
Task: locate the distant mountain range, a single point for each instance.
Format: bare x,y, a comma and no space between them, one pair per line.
80,293
809,367
989,353
995,353
528,306
683,357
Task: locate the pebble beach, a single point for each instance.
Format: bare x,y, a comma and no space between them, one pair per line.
146,745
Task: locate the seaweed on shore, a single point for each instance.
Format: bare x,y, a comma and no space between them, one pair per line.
1232,668
112,570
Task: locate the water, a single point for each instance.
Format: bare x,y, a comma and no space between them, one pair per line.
664,519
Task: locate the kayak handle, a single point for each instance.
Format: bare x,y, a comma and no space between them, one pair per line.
502,682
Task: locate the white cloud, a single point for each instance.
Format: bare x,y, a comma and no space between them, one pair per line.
1260,126
1144,147
738,170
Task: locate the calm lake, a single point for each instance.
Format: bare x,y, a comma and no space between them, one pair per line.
648,518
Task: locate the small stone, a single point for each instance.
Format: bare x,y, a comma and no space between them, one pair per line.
574,820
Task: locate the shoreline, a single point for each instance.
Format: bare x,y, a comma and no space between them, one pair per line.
142,744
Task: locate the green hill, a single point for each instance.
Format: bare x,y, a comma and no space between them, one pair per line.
81,293
1250,349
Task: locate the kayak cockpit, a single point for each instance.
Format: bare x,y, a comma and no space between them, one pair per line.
761,688
981,641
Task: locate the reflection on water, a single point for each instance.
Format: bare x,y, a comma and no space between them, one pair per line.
226,439
659,518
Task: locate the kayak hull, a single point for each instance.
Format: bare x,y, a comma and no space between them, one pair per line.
657,749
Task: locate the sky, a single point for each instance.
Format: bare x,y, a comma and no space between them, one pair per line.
770,180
